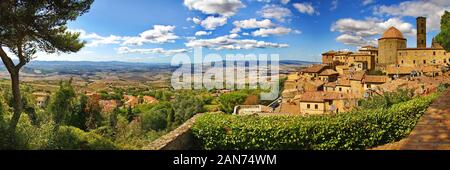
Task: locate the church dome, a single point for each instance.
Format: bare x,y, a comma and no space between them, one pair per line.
392,33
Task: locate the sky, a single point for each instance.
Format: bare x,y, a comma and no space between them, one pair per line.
154,31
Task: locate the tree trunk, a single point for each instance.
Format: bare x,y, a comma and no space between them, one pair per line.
17,104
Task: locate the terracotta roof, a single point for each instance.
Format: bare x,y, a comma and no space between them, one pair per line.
328,72
131,100
321,96
375,79
392,33
108,105
314,68
343,53
40,94
150,99
361,54
330,84
368,47
358,75
329,52
316,83
399,70
343,82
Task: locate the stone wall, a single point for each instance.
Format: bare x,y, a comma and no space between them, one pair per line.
179,139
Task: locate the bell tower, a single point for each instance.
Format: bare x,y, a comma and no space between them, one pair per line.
421,32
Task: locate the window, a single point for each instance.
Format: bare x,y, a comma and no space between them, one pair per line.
402,61
445,61
340,88
434,52
308,106
316,106
330,102
414,61
424,61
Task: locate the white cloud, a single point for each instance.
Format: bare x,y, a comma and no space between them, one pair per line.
233,35
195,20
126,50
360,32
211,22
367,2
225,8
275,12
202,33
228,43
355,40
253,23
432,9
285,1
305,8
265,32
159,34
235,30
94,40
334,4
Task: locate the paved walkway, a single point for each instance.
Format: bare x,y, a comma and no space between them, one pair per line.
432,132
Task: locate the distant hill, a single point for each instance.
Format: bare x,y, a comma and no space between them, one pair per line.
89,67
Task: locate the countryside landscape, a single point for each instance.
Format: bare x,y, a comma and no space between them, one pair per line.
381,82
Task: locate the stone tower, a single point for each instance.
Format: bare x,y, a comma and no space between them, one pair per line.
391,40
421,32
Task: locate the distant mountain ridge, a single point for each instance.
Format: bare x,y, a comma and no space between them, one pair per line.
83,67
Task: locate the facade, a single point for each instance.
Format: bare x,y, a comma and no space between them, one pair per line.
328,75
313,103
362,61
251,109
422,56
372,82
41,99
327,58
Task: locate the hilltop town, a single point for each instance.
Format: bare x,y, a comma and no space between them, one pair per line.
344,77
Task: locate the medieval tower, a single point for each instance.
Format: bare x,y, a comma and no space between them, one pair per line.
421,32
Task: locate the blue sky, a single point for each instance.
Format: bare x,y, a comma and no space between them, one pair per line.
153,31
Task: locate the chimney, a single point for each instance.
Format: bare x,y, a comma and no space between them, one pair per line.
421,32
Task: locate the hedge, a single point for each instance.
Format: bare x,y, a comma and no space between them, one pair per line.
357,130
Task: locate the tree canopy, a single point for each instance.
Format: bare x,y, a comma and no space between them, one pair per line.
31,26
444,36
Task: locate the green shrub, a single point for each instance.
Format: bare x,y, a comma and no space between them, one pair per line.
443,87
72,138
229,100
360,129
387,99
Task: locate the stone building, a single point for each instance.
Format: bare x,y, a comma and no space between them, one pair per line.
321,102
388,45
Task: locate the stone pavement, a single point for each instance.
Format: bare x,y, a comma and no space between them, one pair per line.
432,132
